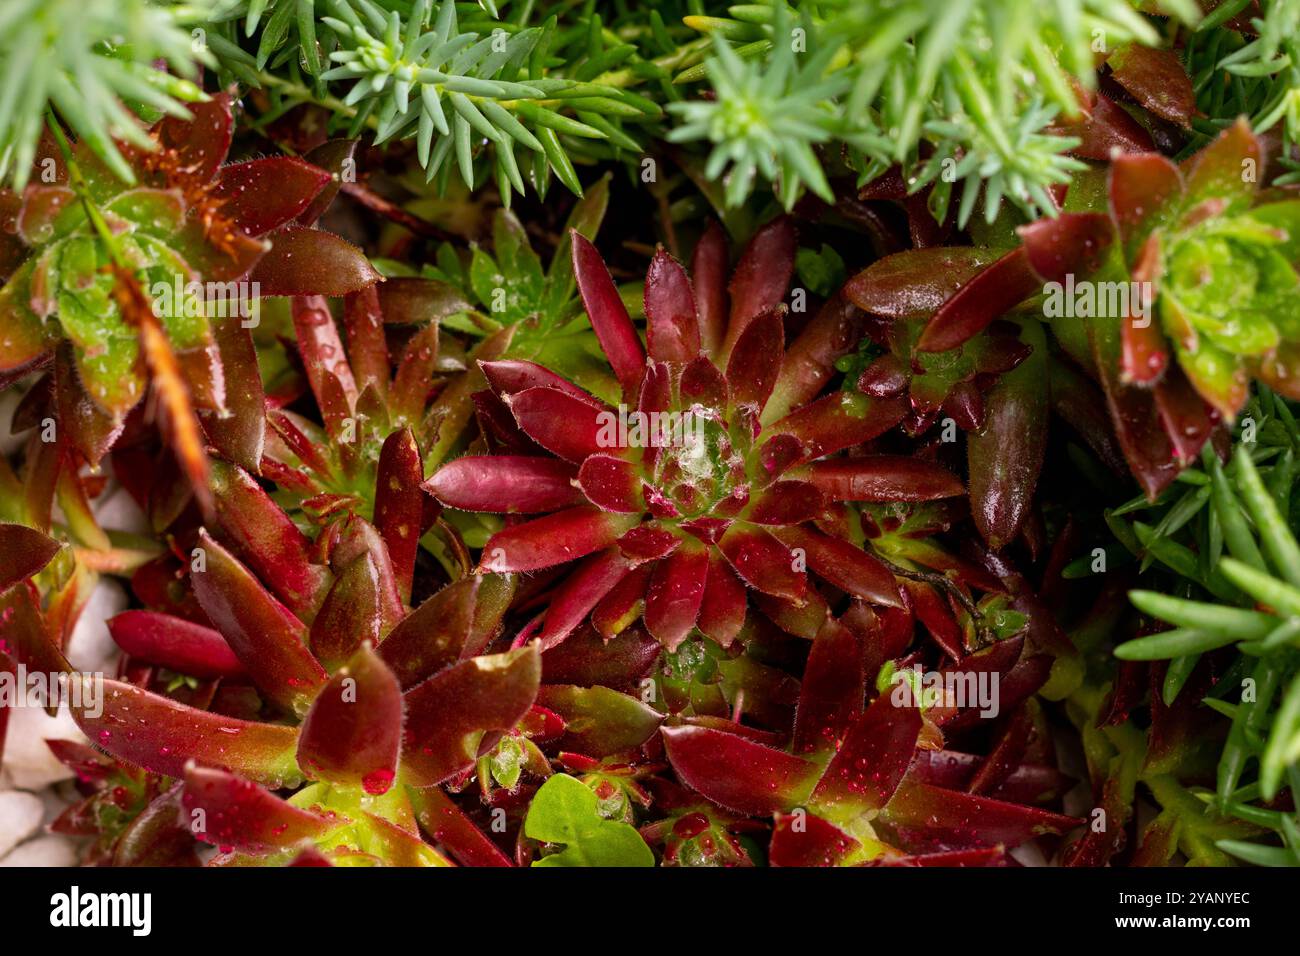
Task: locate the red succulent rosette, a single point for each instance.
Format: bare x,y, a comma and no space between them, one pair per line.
679,531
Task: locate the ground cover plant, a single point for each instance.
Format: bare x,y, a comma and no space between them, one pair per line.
587,434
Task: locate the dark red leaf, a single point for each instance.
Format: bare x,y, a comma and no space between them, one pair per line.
672,332
24,552
832,689
175,643
448,714
675,592
226,811
399,504
353,732
268,640
608,315
263,194
554,539
761,277
870,763
737,773
884,478
161,735
984,298
312,262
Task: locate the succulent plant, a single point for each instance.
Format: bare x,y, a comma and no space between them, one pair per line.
367,720
442,543
1174,238
869,783
186,220
135,282
678,525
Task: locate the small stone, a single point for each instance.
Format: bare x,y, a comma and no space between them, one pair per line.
118,511
20,817
28,762
46,851
91,647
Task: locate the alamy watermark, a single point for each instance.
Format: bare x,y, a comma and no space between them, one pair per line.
636,429
915,687
23,688
74,909
1086,299
214,300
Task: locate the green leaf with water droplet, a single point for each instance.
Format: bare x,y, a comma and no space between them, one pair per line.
565,811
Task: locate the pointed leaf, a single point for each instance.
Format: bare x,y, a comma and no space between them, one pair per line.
611,483
708,282
563,424
672,332
870,763
1157,79
24,552
762,562
832,689
599,721
581,590
161,735
515,484
447,825
995,291
608,315
1215,173
353,732
1143,189
807,840
449,713
761,277
839,420
915,283
554,539
268,539
268,640
202,141
263,194
722,608
849,568
738,773
884,478
1006,455
312,262
239,434
755,360
924,818
226,811
175,643
399,504
675,592
433,636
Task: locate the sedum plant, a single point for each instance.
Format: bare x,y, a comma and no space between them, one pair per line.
718,476
794,488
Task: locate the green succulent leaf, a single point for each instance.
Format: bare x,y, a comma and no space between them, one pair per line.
565,811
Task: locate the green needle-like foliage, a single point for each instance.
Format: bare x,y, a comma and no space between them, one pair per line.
93,64
956,91
1227,534
765,117
1255,72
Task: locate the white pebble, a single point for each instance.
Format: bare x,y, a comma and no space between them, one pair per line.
28,762
117,511
91,647
21,815
47,851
